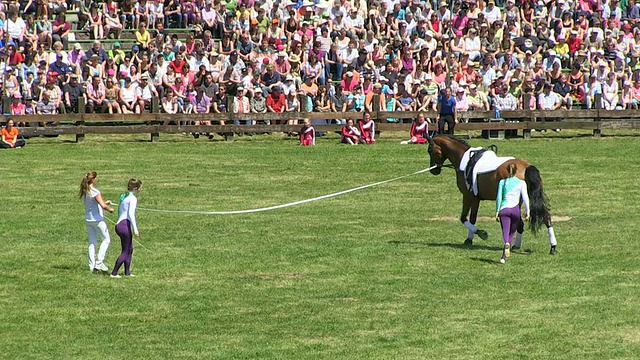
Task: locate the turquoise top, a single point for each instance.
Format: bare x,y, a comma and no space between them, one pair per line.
510,190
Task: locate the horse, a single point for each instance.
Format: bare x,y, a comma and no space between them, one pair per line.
447,147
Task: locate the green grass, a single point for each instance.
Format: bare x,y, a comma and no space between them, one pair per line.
374,274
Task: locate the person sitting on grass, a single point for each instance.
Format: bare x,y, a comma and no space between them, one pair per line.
307,134
10,137
419,131
350,134
367,129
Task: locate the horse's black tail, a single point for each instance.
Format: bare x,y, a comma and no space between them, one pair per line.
538,203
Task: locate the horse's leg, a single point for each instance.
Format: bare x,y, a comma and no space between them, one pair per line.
475,204
517,244
552,235
466,206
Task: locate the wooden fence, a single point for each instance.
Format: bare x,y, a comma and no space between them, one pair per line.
593,120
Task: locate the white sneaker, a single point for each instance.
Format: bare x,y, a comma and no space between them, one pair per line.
131,275
115,276
404,142
102,267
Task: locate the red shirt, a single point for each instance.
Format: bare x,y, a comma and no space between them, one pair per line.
177,65
574,44
276,104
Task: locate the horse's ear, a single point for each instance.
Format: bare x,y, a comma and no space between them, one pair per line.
430,140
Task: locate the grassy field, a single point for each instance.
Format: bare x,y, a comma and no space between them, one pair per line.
375,274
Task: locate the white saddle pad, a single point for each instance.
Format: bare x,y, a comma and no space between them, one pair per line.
487,163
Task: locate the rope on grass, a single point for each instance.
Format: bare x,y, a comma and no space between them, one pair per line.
300,202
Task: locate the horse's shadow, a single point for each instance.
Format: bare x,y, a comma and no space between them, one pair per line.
450,245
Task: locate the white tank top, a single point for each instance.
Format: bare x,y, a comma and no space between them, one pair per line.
93,210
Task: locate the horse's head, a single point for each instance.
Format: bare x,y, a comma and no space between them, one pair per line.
437,159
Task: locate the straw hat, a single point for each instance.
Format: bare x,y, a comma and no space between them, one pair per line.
293,58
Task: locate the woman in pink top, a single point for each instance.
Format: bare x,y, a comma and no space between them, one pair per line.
461,100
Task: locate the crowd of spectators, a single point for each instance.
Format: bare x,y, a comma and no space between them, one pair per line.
254,56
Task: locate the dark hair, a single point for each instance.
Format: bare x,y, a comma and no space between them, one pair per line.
512,169
134,185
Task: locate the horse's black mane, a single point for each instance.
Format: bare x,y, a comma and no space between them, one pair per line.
453,138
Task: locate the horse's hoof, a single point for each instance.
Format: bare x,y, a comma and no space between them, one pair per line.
468,242
553,251
482,234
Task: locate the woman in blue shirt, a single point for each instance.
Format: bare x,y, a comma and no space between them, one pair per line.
510,191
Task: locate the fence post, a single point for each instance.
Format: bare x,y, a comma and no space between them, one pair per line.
598,99
154,109
526,104
228,136
81,106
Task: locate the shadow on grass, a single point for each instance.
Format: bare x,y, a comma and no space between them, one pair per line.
450,245
488,261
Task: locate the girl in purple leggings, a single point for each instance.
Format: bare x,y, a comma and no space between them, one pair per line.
508,213
126,226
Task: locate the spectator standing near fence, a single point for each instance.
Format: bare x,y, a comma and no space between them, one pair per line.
447,114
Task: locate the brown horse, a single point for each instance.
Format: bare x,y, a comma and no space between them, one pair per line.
445,147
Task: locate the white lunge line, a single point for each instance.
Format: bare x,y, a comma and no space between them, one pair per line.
284,205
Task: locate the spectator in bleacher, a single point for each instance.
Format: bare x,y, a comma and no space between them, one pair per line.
241,105
592,87
170,103
504,100
16,28
96,49
563,89
128,97
145,92
172,13
46,106
610,97
11,83
112,24
156,12
143,37
219,102
276,101
60,30
96,94
96,22
44,31
112,95
17,107
72,92
141,13
258,102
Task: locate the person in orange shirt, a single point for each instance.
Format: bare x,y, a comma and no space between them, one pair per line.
368,100
10,137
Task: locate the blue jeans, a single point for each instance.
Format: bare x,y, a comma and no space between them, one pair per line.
336,69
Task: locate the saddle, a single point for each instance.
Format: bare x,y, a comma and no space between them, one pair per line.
479,161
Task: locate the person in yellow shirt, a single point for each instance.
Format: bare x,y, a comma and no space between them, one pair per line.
562,51
10,137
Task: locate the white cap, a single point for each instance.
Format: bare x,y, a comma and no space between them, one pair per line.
428,77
